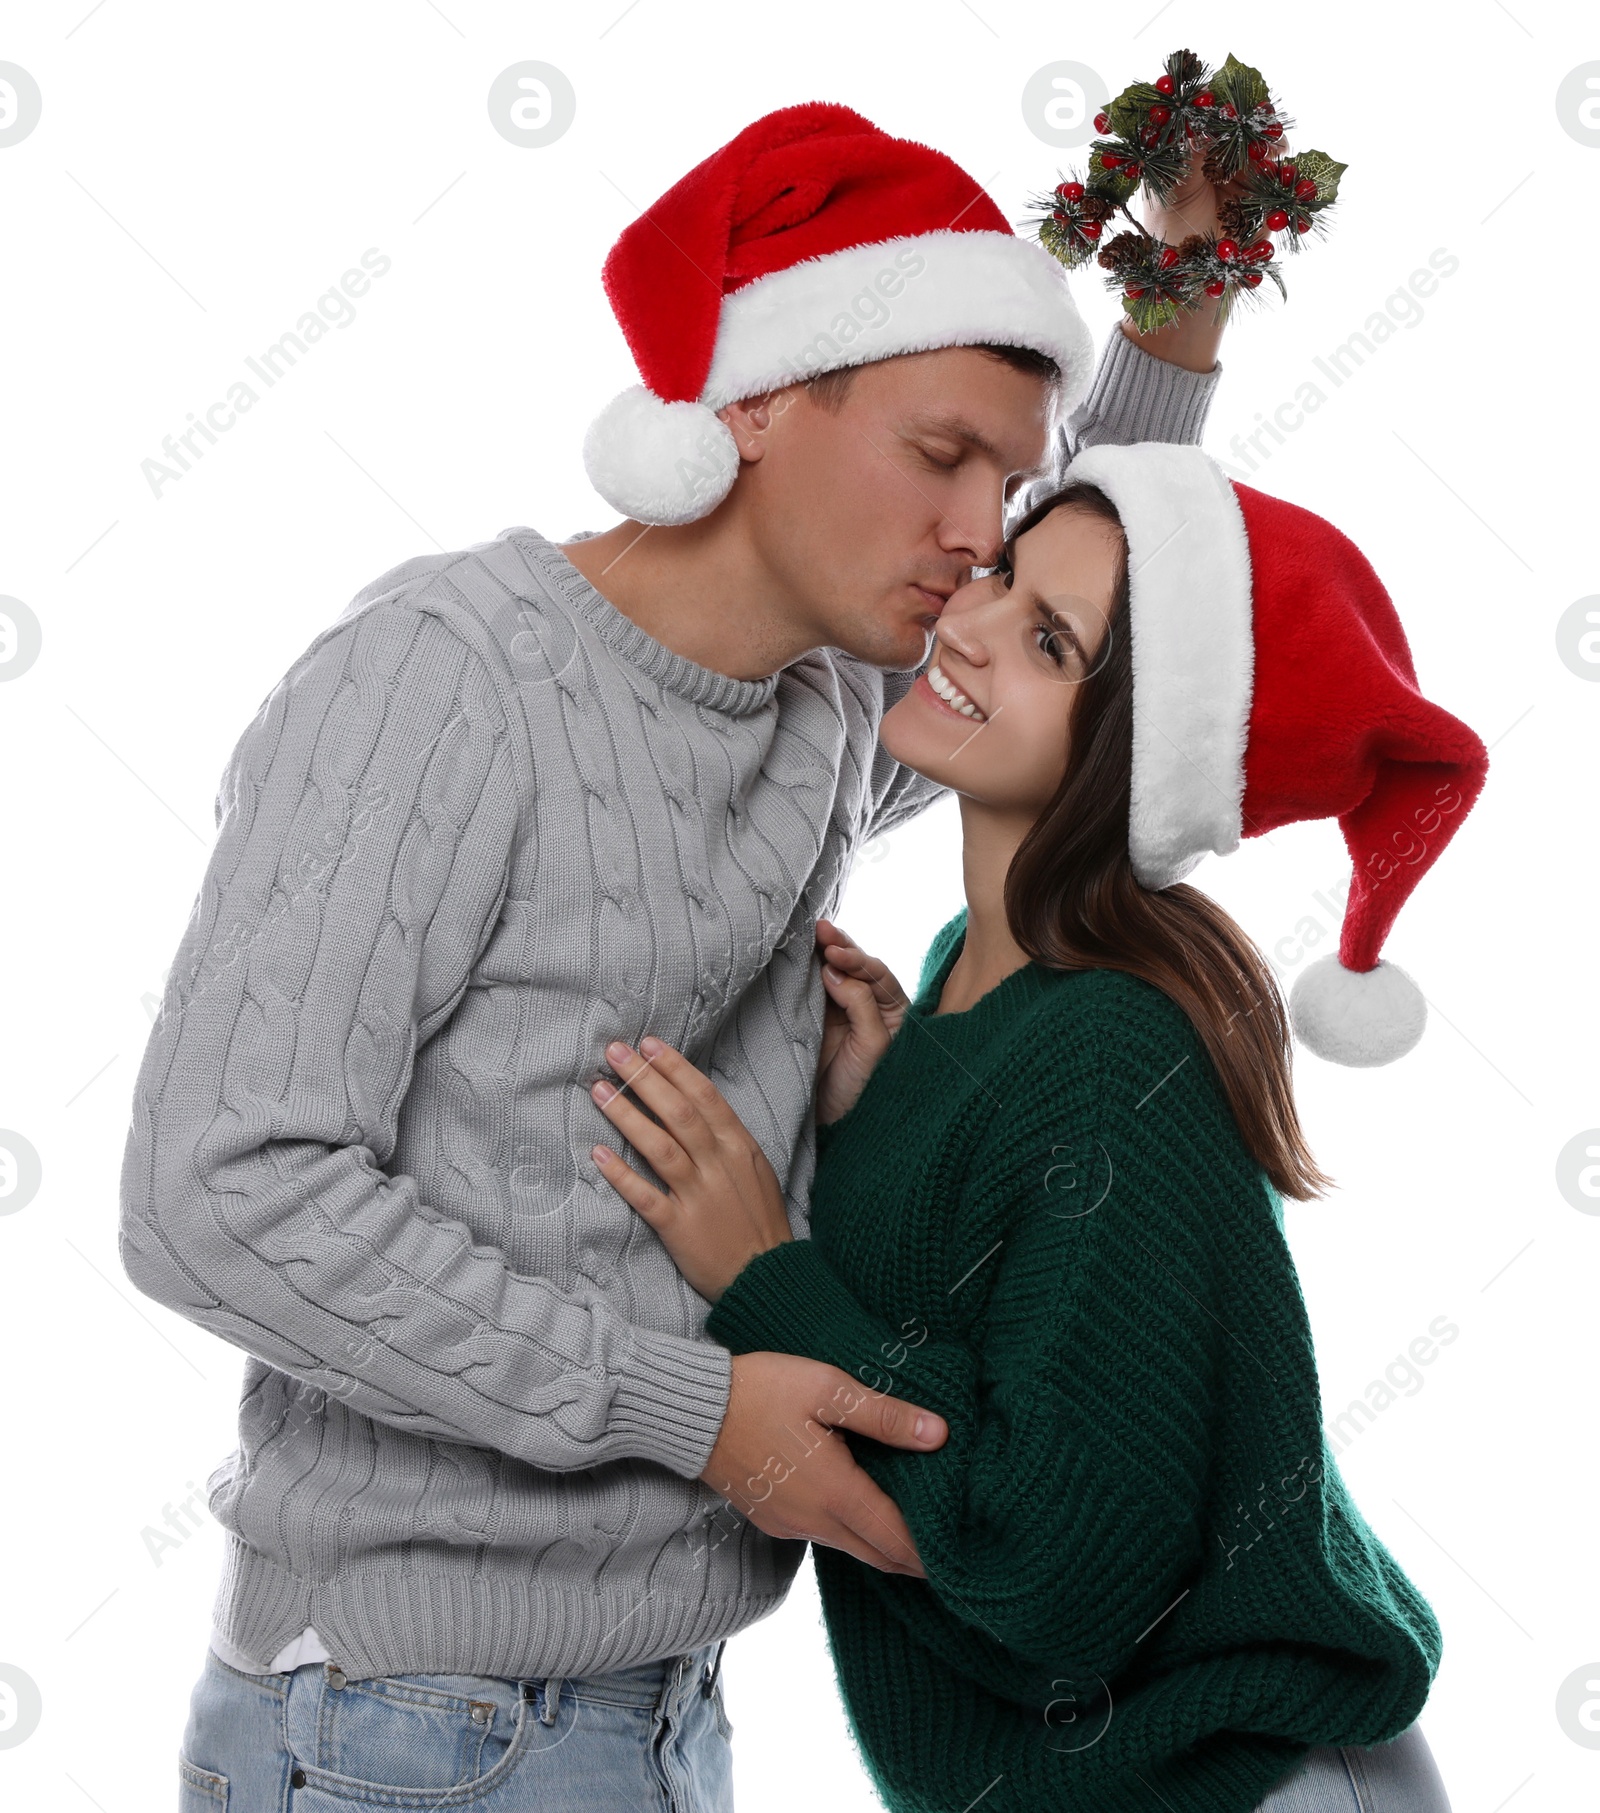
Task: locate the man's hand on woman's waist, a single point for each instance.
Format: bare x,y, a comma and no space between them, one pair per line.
778,1459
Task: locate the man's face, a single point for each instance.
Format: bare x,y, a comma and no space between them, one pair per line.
869,518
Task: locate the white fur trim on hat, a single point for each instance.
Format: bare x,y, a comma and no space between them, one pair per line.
1193,650
1357,1017
911,294
659,462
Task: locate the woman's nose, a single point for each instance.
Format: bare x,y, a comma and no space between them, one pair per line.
965,622
957,631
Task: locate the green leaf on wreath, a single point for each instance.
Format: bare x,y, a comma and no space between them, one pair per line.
1064,245
1127,111
1322,170
1148,313
1244,86
1112,184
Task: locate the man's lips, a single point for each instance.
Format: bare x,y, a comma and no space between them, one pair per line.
936,601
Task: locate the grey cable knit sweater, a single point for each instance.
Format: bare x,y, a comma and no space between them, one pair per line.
483,825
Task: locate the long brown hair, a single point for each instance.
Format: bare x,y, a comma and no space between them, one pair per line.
1072,901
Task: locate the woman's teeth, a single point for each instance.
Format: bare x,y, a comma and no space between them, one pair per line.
952,694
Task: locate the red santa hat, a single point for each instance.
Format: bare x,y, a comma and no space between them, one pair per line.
1272,682
810,242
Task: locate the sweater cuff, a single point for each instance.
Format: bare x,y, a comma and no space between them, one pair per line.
671,1401
790,1300
1137,397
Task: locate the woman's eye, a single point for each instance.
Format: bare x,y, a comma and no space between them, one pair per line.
1054,644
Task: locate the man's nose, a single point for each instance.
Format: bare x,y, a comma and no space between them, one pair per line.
984,544
976,531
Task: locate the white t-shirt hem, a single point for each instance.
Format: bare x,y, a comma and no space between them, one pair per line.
307,1647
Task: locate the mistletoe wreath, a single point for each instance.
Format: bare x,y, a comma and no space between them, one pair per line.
1148,135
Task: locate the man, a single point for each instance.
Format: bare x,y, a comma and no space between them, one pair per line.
497,1502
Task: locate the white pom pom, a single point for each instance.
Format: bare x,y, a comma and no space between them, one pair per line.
659,462
1357,1017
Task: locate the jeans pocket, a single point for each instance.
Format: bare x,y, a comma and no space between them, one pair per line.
200,1790
437,1737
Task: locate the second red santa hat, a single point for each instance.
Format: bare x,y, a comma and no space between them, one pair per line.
1272,682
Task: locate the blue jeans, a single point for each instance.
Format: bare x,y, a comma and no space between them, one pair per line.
1386,1778
653,1736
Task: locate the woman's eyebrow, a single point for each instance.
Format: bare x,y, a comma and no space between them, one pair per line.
1062,628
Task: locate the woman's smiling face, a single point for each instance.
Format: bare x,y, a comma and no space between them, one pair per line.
990,717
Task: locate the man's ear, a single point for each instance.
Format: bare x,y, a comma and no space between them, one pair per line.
751,420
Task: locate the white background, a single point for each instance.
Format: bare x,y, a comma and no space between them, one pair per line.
202,174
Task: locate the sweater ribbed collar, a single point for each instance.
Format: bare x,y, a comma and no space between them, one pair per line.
1009,996
675,672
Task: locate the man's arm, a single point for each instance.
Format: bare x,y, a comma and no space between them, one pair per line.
365,832
1156,386
1139,393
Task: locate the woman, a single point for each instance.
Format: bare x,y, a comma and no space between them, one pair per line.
1048,1194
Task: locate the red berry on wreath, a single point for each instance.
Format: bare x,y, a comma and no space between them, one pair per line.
1058,215
1109,160
1227,250
1286,172
1071,191
1133,171
1257,151
1160,115
1169,257
1229,111
1305,189
1164,83
1301,224
1277,220
1274,130
1216,289
1253,278
1260,252
1090,229
1102,122
1136,292
1268,168
1205,98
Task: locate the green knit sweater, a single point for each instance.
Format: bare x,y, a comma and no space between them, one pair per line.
1147,1585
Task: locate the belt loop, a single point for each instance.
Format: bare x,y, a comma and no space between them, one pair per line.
551,1709
708,1685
